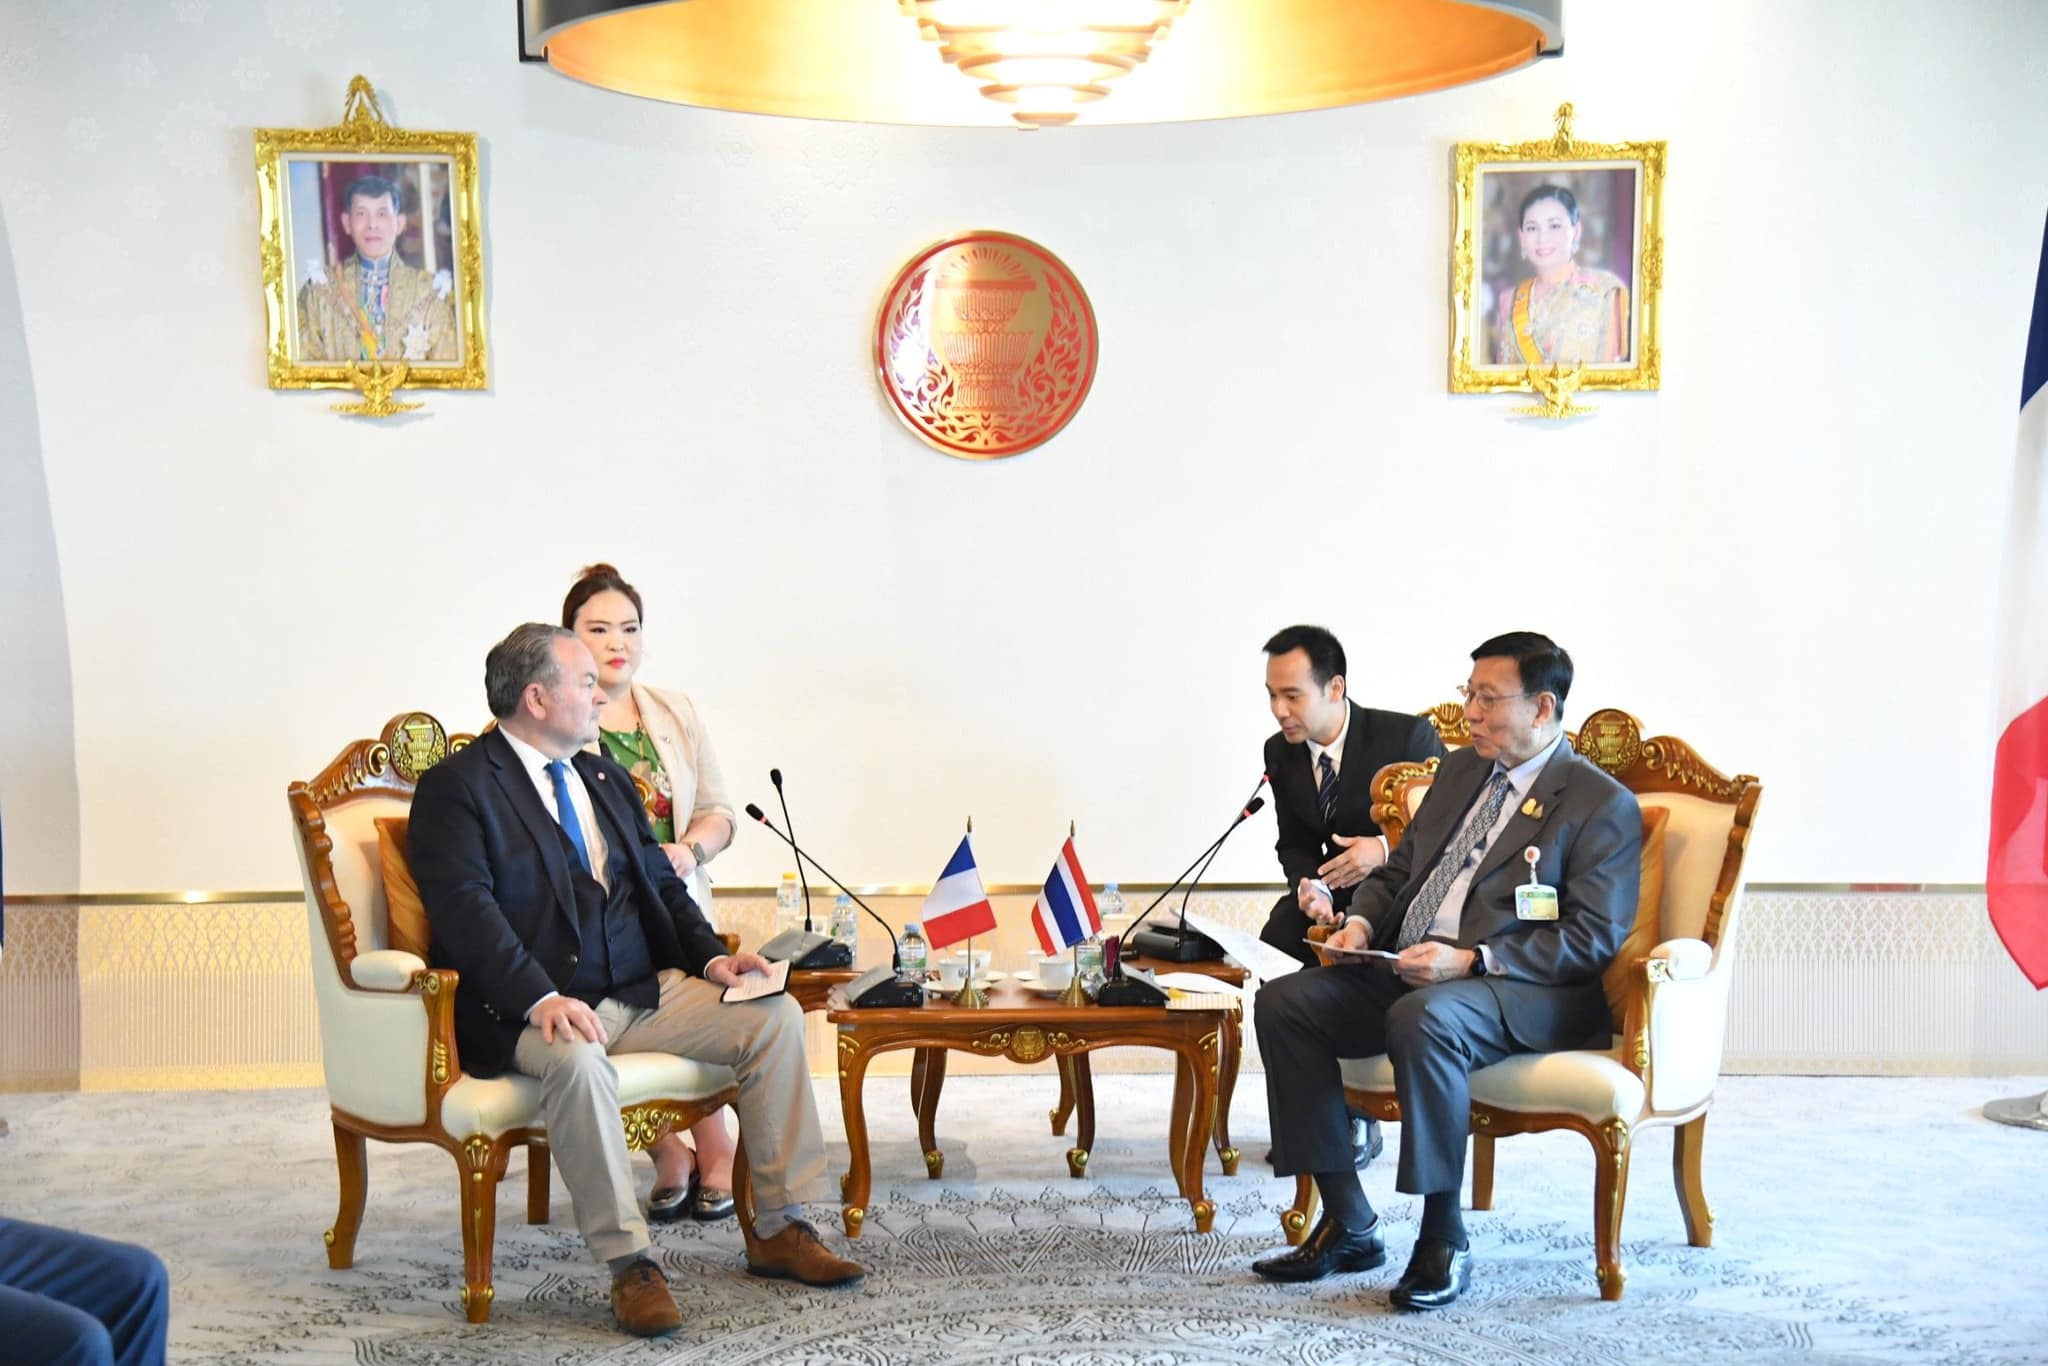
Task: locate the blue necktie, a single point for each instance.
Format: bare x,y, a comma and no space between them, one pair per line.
565,811
1326,788
1430,899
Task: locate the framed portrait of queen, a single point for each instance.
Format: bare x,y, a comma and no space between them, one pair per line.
372,253
1557,263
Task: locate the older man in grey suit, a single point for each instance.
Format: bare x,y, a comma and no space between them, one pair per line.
1482,971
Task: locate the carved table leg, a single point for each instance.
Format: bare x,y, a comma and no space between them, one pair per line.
1231,1052
352,1163
934,1060
853,1190
1084,1107
1197,1123
1176,1125
1058,1114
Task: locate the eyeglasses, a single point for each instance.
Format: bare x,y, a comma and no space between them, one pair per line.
1487,701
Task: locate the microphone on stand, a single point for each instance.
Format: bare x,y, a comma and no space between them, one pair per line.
775,777
804,948
876,986
1179,946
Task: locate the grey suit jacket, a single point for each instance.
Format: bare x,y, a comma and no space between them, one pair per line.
1590,840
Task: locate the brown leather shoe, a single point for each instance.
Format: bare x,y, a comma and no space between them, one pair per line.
795,1254
641,1302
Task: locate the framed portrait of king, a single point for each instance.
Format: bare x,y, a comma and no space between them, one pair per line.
372,253
1557,263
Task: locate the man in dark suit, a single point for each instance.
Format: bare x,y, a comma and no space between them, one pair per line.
1321,764
71,1297
575,939
1487,966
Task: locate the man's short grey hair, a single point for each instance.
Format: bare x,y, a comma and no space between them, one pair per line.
526,656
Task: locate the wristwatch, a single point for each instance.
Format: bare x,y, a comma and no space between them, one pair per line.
1478,963
697,852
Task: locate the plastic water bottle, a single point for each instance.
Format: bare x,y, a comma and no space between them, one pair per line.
789,905
1110,906
844,927
911,950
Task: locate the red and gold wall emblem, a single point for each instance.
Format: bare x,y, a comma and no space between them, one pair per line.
986,345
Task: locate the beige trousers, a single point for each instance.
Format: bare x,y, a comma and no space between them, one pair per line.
762,1041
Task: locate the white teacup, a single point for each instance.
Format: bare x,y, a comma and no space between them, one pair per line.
952,973
1055,972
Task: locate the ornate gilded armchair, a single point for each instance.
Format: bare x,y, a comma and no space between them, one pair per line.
387,1028
1662,1065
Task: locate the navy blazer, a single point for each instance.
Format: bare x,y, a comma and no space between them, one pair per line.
494,877
1589,841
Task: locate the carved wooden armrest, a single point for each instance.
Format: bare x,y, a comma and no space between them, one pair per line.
436,987
730,940
1317,934
1675,964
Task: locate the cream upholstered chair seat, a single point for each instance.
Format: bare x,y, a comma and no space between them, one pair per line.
387,1022
1593,1086
1665,1060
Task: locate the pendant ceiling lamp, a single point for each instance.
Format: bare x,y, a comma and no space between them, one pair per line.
1034,63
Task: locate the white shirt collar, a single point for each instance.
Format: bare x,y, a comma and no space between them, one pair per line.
1335,749
536,763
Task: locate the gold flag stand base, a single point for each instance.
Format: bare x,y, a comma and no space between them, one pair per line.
1076,994
970,996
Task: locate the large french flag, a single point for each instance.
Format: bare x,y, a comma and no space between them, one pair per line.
957,907
2016,880
1065,911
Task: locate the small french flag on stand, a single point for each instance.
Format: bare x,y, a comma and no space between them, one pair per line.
957,908
1065,911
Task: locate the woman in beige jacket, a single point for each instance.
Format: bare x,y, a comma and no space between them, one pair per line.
657,737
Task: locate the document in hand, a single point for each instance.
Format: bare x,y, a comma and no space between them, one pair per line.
754,985
1350,953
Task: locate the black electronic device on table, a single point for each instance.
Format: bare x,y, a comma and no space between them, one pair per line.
877,988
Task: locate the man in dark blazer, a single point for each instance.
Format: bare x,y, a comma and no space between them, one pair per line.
575,939
1482,971
1321,763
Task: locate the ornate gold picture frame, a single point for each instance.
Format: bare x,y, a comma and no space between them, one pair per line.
373,268
1556,266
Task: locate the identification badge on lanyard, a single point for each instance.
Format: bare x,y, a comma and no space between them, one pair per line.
1533,900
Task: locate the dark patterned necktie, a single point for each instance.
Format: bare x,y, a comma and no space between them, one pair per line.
1430,899
1326,786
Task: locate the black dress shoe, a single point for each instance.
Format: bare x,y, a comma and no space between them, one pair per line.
1366,1141
1328,1249
1437,1274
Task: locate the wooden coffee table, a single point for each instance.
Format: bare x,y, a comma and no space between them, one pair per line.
1076,1083
1027,1028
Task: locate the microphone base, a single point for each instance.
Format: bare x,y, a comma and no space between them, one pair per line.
807,949
1134,988
882,989
1170,946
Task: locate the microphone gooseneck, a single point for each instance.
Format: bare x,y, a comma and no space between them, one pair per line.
1252,804
775,777
895,954
1251,808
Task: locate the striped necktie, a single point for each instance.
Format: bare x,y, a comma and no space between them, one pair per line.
1326,786
1430,899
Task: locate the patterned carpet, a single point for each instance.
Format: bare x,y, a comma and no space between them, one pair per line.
1858,1220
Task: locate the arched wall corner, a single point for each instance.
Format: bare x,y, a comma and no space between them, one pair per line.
38,751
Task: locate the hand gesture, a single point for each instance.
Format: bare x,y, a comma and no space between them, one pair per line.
1361,854
727,970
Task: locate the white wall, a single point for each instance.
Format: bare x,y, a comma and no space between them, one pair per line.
1786,556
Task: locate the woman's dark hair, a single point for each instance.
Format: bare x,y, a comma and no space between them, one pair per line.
595,579
1543,192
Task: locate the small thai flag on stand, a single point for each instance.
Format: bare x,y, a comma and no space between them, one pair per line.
957,908
1065,911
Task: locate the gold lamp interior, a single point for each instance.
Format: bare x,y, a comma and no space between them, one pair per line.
1035,63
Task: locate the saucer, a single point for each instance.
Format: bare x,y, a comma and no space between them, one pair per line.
1031,982
939,988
